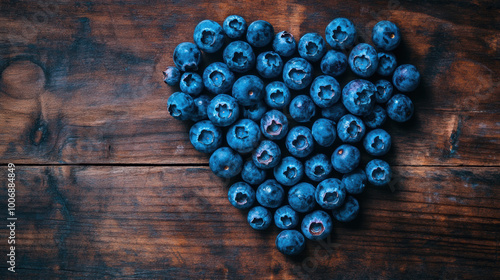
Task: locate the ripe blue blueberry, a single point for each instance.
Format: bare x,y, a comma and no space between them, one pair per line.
299,141
355,182
301,197
290,242
225,162
252,174
234,26
260,33
340,34
205,136
248,90
243,136
400,108
181,106
302,108
376,118
208,36
270,194
267,155
330,193
350,129
172,76
386,35
324,132
406,78
316,225
269,65
218,78
239,56
384,91
223,110
200,110
241,195
334,63
286,218
378,172
363,60
259,218
348,211
255,111
274,125
358,97
335,112
325,91
318,167
277,95
377,142
386,63
187,56
191,83
345,158
289,171
284,44
297,73
312,47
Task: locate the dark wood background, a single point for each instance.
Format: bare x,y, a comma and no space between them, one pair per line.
108,185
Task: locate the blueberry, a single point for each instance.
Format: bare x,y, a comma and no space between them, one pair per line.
377,142
301,197
234,26
340,34
252,174
406,78
270,194
269,65
302,108
312,47
297,73
324,132
289,171
348,211
255,112
259,218
316,225
335,112
330,193
225,162
318,167
241,195
239,56
187,56
384,91
376,118
284,44
217,78
334,63
260,33
358,97
205,136
208,36
363,60
172,76
181,106
386,63
274,125
248,90
286,218
325,91
345,158
223,110
350,129
355,182
191,83
386,35
299,141
400,108
277,95
200,110
267,155
243,136
290,242
378,172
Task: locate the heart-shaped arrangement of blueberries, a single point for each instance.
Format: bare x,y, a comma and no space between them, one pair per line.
271,121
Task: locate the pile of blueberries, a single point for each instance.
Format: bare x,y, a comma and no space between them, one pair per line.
267,116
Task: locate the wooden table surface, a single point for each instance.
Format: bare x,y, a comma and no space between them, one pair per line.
108,185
